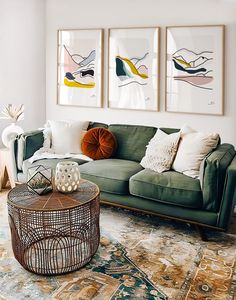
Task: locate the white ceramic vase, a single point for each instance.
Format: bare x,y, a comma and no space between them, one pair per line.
67,176
9,133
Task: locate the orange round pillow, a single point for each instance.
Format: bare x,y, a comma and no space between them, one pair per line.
98,143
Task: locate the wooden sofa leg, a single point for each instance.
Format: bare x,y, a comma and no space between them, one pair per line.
201,232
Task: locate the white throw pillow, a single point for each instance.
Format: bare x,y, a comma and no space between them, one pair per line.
67,136
161,151
47,135
193,148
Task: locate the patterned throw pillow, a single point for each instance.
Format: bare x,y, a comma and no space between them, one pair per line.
161,151
98,143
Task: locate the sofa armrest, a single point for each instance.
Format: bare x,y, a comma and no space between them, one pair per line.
214,173
229,196
13,152
27,144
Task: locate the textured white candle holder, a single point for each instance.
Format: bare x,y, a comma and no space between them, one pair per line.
67,176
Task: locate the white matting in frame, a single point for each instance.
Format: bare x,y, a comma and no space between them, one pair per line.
80,67
134,68
195,69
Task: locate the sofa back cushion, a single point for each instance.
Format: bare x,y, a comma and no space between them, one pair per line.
96,124
169,130
131,140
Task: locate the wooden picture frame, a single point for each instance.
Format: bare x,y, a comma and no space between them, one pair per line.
195,69
134,68
79,68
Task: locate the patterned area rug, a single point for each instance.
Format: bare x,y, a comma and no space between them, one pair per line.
140,257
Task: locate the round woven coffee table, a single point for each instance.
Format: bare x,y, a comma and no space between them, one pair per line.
55,233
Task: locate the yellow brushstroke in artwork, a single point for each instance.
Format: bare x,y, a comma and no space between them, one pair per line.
132,67
78,85
182,62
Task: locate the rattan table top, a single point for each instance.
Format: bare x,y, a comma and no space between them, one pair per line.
23,197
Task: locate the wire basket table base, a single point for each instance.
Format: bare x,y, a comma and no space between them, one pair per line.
54,241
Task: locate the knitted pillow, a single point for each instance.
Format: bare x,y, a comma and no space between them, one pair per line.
98,143
161,151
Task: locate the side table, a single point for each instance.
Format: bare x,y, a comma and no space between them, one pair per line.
6,169
55,233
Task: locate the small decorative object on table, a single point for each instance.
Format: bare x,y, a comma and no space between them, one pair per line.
14,114
40,179
67,176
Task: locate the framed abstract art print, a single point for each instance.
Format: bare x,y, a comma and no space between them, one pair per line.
79,67
195,69
133,68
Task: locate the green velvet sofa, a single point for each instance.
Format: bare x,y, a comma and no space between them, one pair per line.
206,202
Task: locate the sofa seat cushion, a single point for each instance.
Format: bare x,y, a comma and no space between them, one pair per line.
48,163
111,175
169,187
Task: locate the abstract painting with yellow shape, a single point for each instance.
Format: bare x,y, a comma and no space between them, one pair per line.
79,76
134,68
79,70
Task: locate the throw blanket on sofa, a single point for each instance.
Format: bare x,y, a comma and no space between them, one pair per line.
43,153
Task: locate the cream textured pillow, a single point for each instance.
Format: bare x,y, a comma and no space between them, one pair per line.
67,136
193,148
161,151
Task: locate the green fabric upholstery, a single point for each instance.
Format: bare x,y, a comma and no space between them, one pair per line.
49,163
27,144
131,140
169,130
169,187
96,124
111,175
179,212
229,196
215,166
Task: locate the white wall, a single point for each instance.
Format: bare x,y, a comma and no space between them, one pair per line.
65,14
22,59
